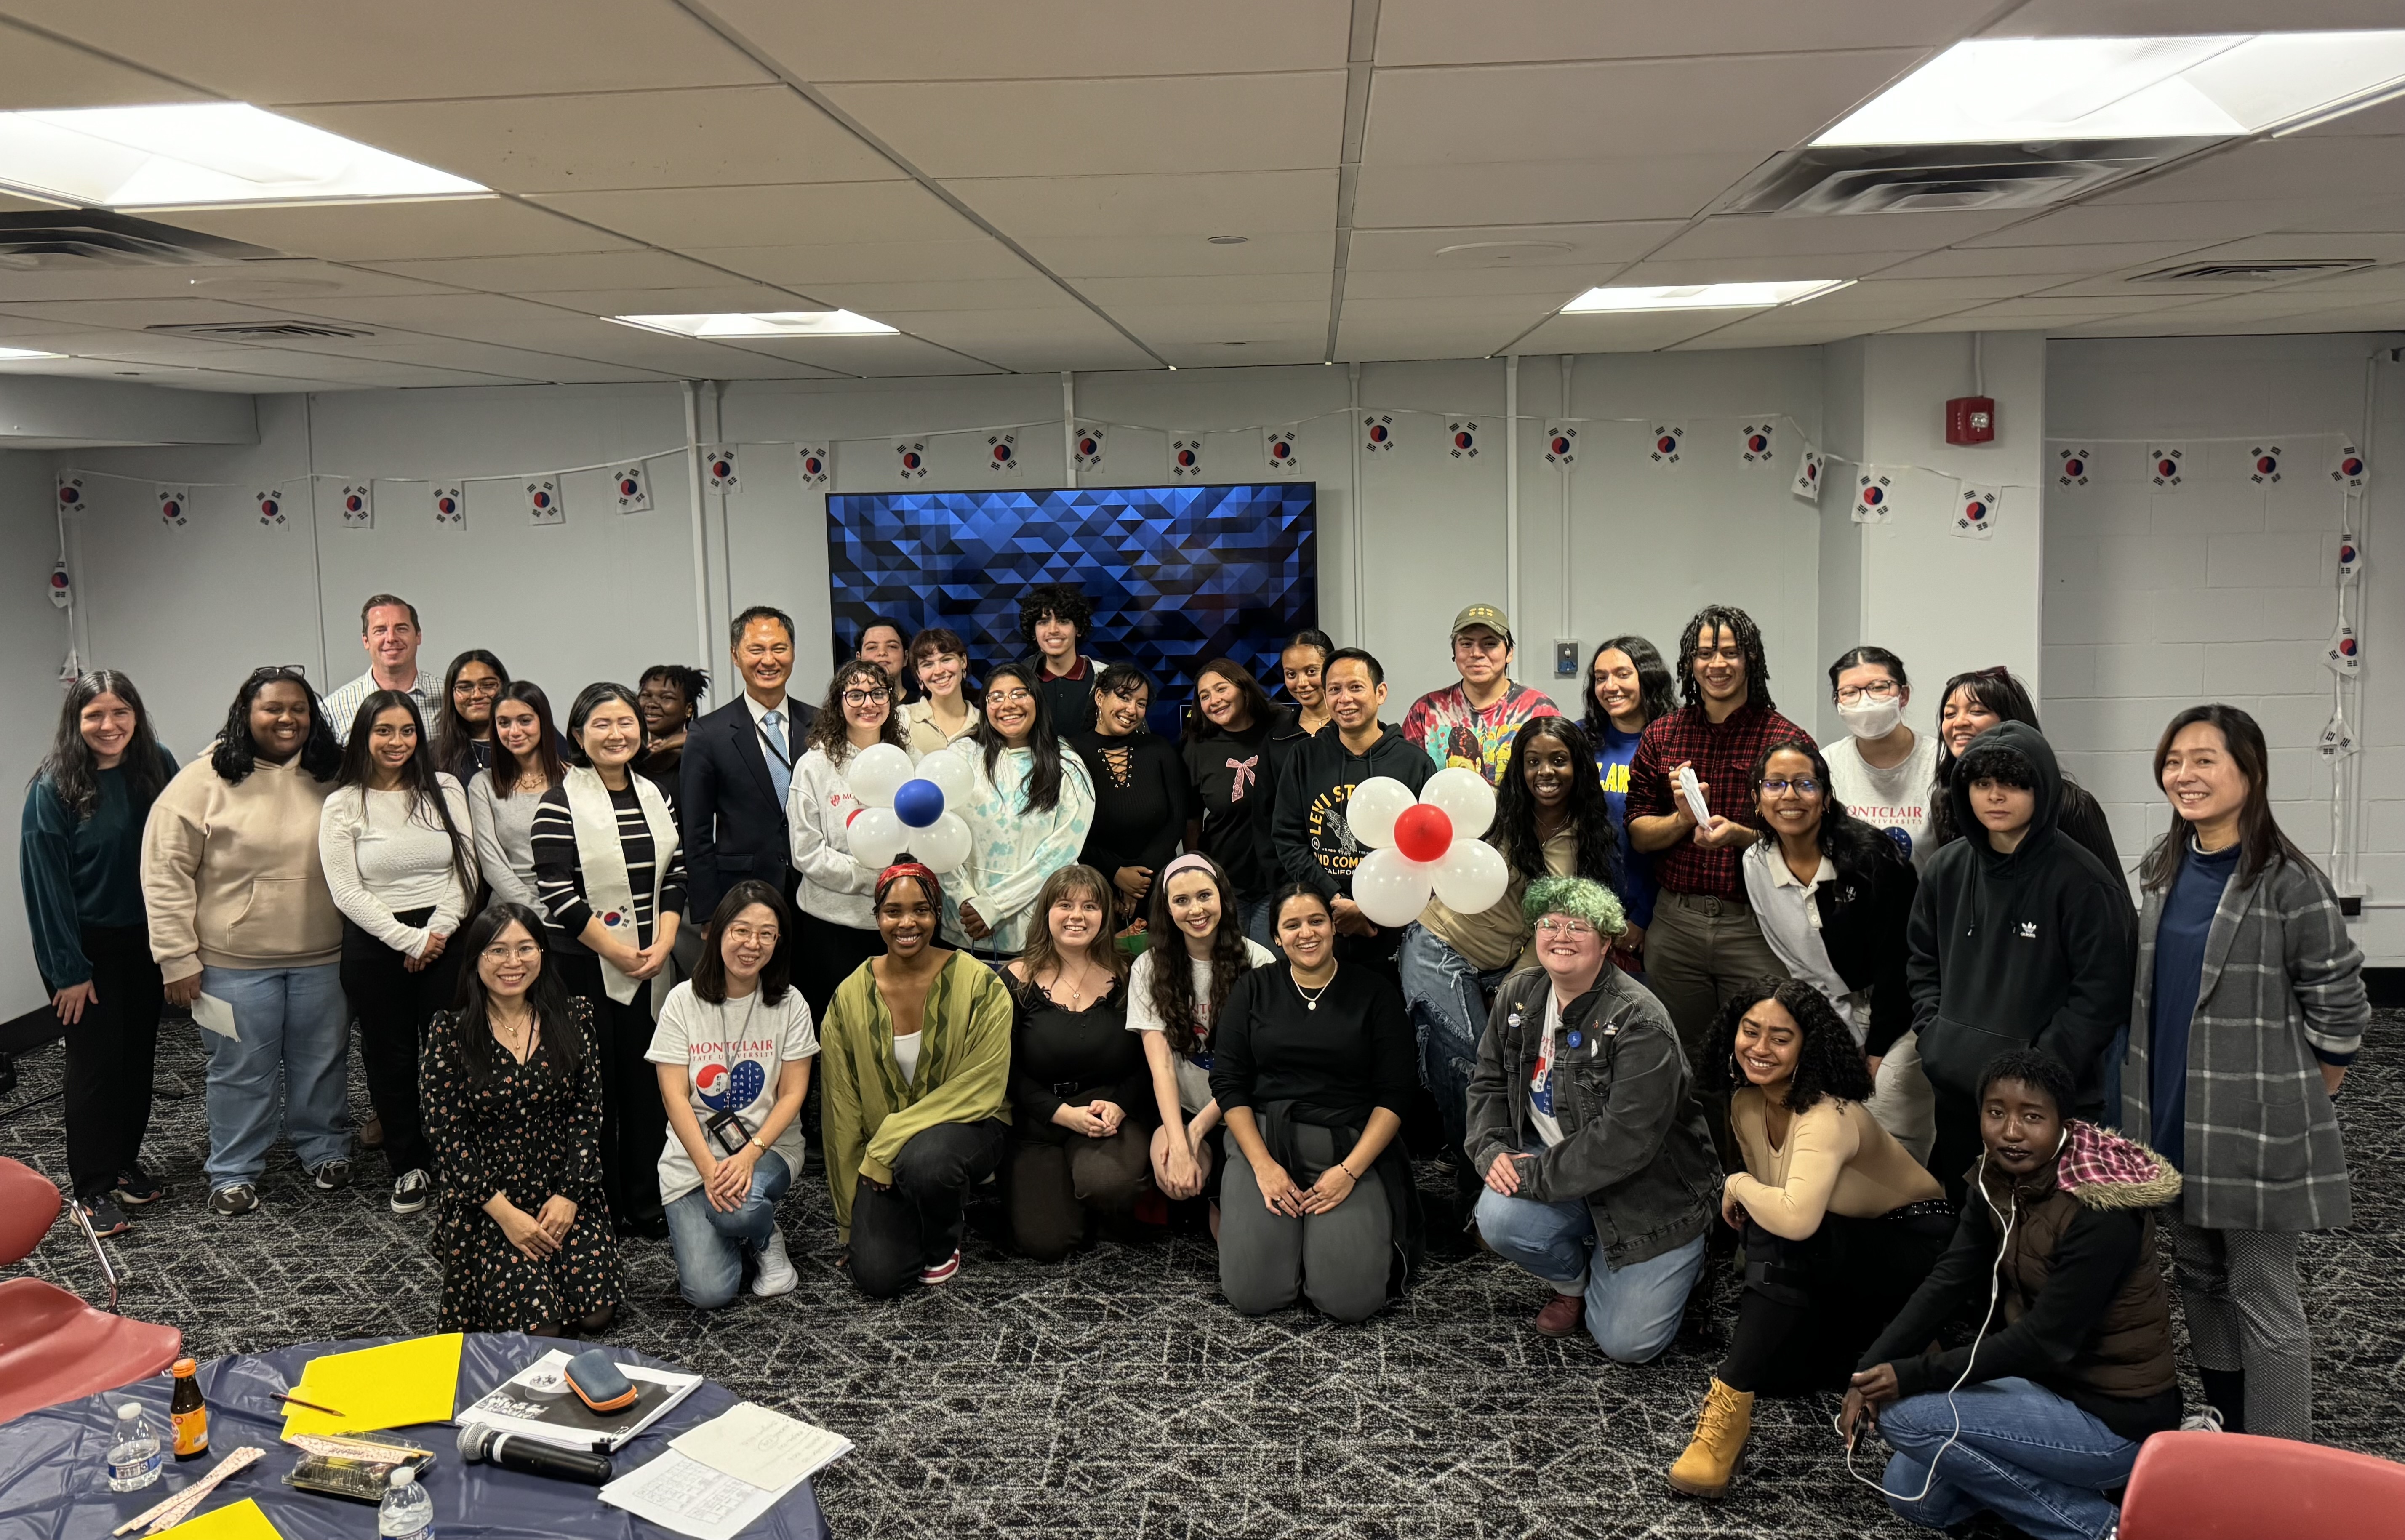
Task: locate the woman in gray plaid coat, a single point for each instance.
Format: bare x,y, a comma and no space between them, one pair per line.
2249,1005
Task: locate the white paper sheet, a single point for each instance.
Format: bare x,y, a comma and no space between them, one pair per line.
761,1448
215,1014
688,1497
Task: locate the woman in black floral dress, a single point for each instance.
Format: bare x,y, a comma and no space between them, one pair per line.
512,1097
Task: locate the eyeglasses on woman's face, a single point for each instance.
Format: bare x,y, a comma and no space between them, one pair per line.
1779,786
866,697
1562,925
1878,689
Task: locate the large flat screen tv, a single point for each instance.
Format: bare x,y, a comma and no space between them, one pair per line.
1178,575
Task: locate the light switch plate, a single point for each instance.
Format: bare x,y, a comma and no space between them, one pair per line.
1565,659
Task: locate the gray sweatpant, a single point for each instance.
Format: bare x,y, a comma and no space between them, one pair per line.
1339,1259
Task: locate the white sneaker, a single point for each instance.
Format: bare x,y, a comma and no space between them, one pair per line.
2207,1421
777,1275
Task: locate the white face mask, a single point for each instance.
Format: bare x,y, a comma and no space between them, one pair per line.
1871,718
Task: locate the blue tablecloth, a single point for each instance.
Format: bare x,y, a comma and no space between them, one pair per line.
54,1484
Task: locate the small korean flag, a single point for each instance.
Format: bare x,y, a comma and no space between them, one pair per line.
2347,468
2073,467
176,506
1561,445
1874,496
1974,515
910,458
2167,466
450,505
1086,445
1186,458
1001,451
817,466
357,505
2337,737
273,507
2264,463
1755,443
544,505
718,464
633,489
1461,439
2350,558
1806,483
2345,654
1377,433
71,495
61,586
1278,446
1668,445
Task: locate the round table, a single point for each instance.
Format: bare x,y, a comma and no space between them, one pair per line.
53,1482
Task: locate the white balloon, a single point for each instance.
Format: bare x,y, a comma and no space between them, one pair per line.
1466,799
877,771
1472,876
943,845
950,772
1391,889
1372,810
878,834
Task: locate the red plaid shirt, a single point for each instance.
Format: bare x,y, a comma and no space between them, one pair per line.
1724,757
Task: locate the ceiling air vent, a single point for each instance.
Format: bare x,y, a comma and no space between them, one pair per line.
260,331
1949,179
80,240
2269,270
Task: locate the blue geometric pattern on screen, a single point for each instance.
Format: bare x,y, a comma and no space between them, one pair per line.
1178,575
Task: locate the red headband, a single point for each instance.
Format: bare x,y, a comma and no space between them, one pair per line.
928,882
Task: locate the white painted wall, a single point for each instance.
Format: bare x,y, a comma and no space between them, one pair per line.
2223,588
33,644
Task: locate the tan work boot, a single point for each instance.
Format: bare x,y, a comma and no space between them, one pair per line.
1711,1460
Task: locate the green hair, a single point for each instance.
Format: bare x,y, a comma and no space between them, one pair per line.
1580,898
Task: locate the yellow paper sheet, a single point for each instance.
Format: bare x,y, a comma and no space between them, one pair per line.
234,1522
388,1386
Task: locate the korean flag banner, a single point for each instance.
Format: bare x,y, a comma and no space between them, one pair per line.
1277,447
1806,483
2167,466
1756,442
817,465
543,503
718,464
450,505
356,503
634,489
1974,512
1086,445
1874,496
1668,445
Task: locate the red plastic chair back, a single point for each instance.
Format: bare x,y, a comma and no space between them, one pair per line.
29,1206
2233,1486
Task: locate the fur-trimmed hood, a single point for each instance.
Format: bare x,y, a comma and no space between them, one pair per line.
2105,1170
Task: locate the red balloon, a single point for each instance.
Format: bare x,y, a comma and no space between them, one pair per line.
1423,833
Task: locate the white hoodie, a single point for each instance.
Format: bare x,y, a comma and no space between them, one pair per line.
835,888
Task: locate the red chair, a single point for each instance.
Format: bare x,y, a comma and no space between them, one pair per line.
54,1347
2232,1486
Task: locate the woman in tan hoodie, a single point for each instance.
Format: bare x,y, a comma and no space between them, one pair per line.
240,914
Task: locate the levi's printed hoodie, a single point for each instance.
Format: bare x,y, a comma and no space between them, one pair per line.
1312,838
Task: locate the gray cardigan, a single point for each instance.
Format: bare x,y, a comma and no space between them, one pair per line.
1634,1145
2281,978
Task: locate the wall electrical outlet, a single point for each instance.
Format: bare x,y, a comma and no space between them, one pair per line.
1565,659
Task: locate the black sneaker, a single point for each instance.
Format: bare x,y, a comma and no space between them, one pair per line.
332,1176
106,1216
238,1197
410,1194
138,1187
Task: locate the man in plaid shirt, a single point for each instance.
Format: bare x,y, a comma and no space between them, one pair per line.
1704,941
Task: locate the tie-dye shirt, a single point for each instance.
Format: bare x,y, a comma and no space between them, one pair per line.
1445,726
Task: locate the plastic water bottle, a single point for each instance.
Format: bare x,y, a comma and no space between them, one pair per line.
407,1512
133,1457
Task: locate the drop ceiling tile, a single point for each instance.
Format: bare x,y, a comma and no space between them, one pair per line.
355,232
46,74
1776,328
1670,187
783,214
1159,124
1458,248
732,136
1427,337
2036,261
2176,17
1631,333
2195,223
1077,256
1235,289
1554,286
1748,269
2272,169
1160,323
265,278
1738,105
828,41
2378,247
1007,336
698,301
279,51
1030,208
133,314
810,267
1304,347
1770,235
1031,291
488,316
877,358
557,272
1441,32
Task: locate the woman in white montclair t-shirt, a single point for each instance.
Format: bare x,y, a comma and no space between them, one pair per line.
734,1047
1881,770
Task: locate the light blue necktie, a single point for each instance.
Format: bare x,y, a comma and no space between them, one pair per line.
780,766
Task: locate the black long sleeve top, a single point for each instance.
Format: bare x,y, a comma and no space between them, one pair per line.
1062,1056
1140,800
1351,1055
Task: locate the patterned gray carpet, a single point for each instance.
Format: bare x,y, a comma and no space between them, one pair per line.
1115,1395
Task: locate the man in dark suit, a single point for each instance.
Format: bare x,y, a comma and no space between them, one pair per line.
739,764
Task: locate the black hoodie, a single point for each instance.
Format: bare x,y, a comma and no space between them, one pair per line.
2028,949
1312,841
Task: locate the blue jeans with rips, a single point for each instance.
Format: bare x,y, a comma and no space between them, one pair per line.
2024,1452
1632,1312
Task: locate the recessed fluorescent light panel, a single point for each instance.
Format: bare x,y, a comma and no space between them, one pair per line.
763,323
18,355
1703,296
2001,90
206,153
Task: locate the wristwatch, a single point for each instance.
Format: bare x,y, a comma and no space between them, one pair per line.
755,1143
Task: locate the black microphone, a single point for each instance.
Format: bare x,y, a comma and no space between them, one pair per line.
531,1456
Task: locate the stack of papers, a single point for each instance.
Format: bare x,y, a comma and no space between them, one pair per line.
538,1404
393,1386
717,1481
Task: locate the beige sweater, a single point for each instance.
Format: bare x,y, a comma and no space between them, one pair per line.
231,876
1836,1160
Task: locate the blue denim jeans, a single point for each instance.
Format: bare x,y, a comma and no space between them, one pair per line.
1632,1312
292,1058
1448,1000
2024,1452
710,1245
1260,924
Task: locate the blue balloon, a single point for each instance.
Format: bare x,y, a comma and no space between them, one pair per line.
918,802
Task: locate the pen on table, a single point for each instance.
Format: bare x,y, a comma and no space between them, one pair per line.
280,1396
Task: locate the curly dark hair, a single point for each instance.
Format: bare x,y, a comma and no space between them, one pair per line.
1060,600
2033,1068
1828,1061
692,683
1515,833
1853,846
236,754
1709,620
1043,790
1172,987
72,768
1654,686
831,734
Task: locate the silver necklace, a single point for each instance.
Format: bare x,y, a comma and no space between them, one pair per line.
1311,997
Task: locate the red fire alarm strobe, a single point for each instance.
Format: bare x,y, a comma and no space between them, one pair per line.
1971,420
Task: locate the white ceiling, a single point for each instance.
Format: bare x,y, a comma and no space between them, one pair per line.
1034,188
